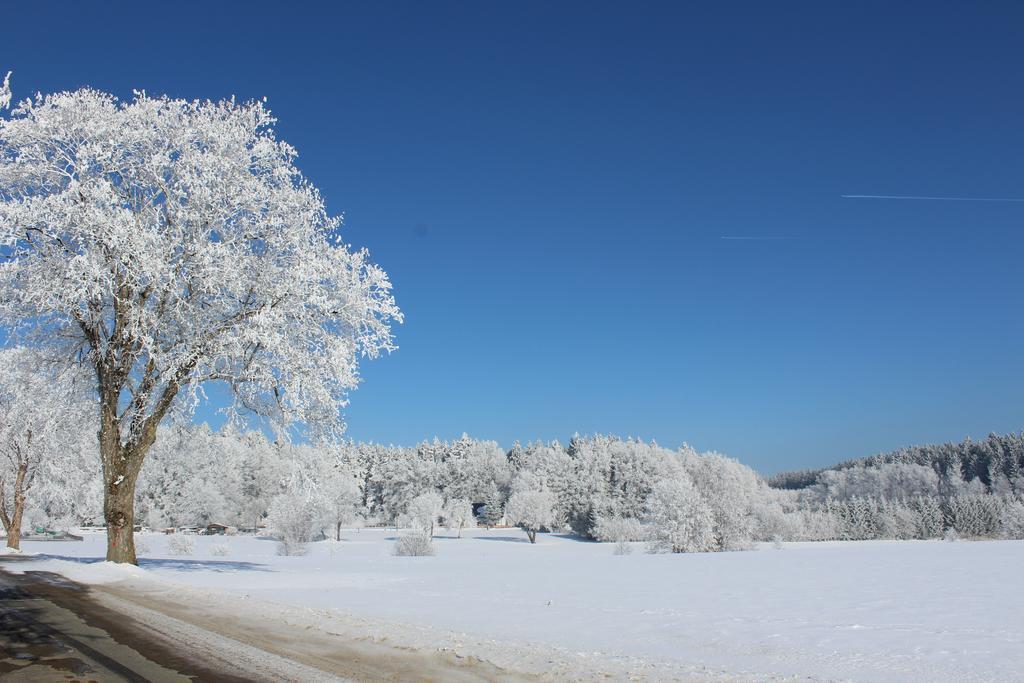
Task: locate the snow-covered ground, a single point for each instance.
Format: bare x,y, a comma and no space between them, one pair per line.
865,611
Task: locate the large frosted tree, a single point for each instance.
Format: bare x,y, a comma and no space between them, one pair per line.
167,244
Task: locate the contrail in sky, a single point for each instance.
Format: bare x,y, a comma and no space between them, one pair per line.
934,199
753,237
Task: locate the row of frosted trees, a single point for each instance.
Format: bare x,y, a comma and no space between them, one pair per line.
599,487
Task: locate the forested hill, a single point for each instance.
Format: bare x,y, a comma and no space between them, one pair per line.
992,461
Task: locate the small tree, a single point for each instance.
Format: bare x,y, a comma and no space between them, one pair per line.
531,511
457,514
294,517
167,244
493,509
41,418
424,511
342,497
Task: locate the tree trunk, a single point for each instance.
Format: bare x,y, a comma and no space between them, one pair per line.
12,524
14,530
337,532
532,534
119,513
120,472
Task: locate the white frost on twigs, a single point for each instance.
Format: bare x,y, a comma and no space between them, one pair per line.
167,244
5,92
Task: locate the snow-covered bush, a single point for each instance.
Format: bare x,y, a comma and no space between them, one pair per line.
680,520
618,529
414,544
179,544
531,511
293,519
220,550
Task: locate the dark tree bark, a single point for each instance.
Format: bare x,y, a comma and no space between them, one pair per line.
123,457
12,520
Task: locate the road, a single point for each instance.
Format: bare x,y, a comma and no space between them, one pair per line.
52,629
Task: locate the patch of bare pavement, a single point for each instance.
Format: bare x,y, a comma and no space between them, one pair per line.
53,629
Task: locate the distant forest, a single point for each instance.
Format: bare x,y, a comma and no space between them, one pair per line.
997,463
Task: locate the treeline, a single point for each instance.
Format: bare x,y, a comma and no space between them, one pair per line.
968,489
997,463
599,487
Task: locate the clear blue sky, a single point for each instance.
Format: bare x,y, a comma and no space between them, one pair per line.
549,185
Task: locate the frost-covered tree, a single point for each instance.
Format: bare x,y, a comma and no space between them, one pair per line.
619,529
41,420
531,510
680,520
167,244
423,512
493,509
1011,521
294,516
732,492
5,92
341,494
976,516
457,513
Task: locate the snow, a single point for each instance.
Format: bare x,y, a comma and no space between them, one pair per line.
862,611
4,550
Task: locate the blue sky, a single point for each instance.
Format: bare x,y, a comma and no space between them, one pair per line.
549,185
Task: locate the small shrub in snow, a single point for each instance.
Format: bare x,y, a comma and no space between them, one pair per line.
180,545
951,535
623,548
220,550
618,529
293,516
416,544
289,547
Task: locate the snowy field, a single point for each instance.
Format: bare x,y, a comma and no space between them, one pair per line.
863,611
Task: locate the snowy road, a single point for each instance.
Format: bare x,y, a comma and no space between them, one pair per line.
52,628
878,611
41,640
